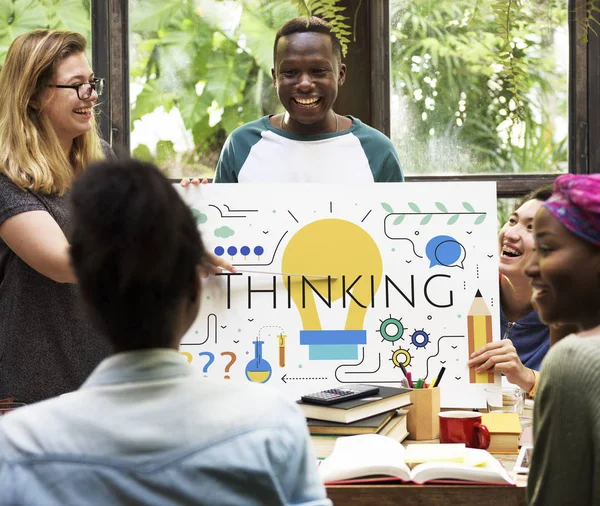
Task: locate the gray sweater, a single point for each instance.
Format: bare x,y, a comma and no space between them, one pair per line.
565,468
47,346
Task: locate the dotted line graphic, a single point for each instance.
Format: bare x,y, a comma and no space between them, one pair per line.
269,327
292,378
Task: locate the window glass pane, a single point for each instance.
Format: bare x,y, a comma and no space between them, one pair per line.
453,110
505,207
199,69
18,17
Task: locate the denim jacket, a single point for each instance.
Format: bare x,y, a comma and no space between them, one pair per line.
146,428
529,336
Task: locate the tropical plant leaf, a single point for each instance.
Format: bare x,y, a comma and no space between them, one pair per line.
426,219
203,133
387,207
590,8
399,219
480,219
468,207
19,17
231,119
226,75
142,152
150,98
193,111
154,14
330,10
259,36
441,207
69,15
414,207
453,219
165,151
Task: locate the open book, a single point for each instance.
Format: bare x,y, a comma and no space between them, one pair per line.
370,455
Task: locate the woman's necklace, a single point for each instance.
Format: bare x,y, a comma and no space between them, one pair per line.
337,122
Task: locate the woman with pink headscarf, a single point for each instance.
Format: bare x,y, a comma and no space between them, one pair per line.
565,277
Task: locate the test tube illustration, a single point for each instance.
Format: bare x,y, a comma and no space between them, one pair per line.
479,322
281,338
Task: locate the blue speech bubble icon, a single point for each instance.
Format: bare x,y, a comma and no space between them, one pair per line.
445,250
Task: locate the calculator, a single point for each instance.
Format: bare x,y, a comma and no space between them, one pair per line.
340,394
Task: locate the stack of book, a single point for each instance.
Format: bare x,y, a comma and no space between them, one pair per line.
505,432
372,415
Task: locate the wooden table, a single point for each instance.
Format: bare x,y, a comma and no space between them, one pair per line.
432,495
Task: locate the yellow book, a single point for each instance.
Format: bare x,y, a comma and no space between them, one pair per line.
505,431
419,453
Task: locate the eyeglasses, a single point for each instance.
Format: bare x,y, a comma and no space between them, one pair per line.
84,90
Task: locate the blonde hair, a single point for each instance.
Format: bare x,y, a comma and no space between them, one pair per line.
30,153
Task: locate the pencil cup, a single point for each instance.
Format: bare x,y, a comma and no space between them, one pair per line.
422,421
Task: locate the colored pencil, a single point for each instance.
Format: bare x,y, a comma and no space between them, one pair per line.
479,323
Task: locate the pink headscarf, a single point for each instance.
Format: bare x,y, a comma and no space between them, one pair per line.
576,204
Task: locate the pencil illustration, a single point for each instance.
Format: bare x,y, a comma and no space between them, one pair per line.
479,322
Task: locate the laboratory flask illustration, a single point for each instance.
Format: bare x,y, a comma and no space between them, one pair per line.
258,369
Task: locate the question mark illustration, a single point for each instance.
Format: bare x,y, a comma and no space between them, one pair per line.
187,355
231,362
211,359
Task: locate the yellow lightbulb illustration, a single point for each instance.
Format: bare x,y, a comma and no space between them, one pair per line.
342,250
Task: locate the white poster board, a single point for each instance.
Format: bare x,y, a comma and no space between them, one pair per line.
341,284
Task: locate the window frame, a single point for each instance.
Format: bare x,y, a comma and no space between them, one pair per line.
110,59
368,77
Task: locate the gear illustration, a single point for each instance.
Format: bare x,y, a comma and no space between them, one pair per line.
401,356
420,338
391,329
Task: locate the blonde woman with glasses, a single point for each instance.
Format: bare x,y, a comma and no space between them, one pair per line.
48,136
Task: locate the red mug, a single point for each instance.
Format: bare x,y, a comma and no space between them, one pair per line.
464,427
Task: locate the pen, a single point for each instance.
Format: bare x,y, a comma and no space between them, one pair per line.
403,369
419,383
409,378
439,376
433,382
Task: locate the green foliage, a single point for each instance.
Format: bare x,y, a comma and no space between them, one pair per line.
69,15
331,11
480,80
515,69
591,18
216,73
21,16
165,152
142,152
213,66
480,68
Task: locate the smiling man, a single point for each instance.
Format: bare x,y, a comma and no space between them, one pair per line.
309,142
